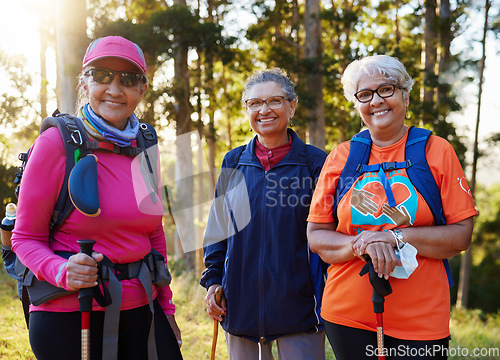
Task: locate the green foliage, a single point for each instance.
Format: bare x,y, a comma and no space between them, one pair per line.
350,30
484,283
14,104
14,343
7,186
474,329
484,280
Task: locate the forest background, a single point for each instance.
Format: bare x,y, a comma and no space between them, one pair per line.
199,54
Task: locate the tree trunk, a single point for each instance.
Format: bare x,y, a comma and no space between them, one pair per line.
200,209
429,55
225,86
445,38
445,35
463,285
209,81
184,164
397,30
70,44
43,72
314,80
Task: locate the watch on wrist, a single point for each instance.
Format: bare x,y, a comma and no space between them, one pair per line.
399,237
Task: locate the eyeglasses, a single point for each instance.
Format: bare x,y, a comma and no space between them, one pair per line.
384,91
273,103
106,76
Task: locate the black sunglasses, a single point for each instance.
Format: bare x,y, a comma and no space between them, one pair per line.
106,76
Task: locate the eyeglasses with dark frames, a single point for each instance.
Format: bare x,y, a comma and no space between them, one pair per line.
384,91
273,103
106,76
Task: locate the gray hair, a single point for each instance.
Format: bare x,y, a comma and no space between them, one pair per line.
383,66
275,75
81,96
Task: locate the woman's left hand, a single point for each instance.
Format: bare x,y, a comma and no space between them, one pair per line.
359,243
175,328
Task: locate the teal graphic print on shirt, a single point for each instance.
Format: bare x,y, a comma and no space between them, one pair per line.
369,205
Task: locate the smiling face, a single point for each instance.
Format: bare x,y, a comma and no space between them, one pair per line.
384,117
270,125
113,102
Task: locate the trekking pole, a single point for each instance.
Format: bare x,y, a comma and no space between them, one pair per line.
378,309
85,297
218,300
381,288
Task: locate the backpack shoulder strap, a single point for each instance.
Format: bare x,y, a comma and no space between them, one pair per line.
359,154
233,157
309,160
420,173
148,136
421,177
74,138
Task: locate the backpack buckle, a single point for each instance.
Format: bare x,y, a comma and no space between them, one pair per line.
148,135
77,138
389,166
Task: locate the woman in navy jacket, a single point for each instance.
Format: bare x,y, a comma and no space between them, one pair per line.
255,243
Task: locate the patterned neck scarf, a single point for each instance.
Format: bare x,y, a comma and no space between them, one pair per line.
101,130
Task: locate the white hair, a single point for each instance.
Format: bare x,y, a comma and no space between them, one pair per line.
377,66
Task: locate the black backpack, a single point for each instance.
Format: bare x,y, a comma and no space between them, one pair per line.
77,146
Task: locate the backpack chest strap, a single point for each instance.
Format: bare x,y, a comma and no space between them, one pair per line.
380,169
102,145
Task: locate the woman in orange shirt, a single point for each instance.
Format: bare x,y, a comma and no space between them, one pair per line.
416,317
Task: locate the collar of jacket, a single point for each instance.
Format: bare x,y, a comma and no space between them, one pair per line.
296,156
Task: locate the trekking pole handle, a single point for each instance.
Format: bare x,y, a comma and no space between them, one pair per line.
85,295
86,246
218,295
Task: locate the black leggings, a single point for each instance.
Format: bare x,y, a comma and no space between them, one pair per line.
57,335
350,343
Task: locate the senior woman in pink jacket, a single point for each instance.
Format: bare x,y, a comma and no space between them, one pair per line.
112,84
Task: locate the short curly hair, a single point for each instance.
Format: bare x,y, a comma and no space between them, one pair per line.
276,75
383,66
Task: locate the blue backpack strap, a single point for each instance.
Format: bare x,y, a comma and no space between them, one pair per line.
420,173
416,165
359,154
421,177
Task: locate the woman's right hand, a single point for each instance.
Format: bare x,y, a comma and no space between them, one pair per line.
215,311
81,270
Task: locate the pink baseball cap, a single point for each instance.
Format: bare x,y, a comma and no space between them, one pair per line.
115,46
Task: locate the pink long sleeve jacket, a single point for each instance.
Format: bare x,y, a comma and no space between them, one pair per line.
130,222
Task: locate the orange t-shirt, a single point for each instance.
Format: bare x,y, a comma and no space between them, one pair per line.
419,307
